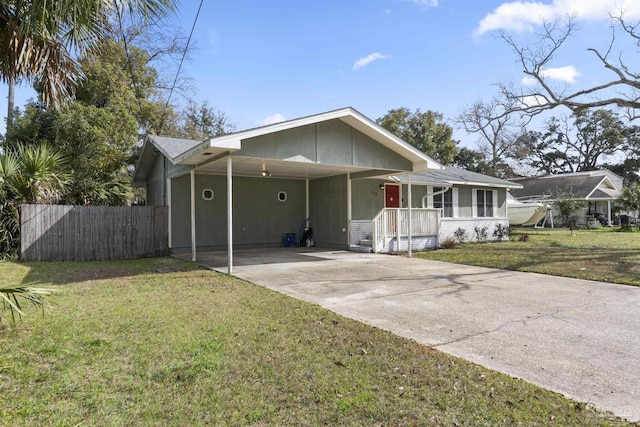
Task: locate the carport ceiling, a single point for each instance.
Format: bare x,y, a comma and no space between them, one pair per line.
251,166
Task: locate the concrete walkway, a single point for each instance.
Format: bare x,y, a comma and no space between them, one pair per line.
576,337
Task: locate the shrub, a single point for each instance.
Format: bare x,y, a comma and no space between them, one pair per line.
523,238
448,243
481,233
501,232
460,235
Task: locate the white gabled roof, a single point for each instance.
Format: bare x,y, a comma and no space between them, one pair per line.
232,142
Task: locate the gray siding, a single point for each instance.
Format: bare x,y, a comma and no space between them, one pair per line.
156,183
367,199
328,211
333,142
259,219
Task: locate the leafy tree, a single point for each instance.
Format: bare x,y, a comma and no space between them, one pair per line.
631,199
620,91
581,145
628,169
201,121
566,205
498,134
424,130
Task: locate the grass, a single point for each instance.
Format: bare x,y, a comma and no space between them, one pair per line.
162,342
604,254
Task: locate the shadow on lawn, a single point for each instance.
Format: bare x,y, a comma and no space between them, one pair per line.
61,273
597,265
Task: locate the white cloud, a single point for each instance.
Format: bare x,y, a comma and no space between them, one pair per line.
274,118
363,62
566,74
521,16
533,101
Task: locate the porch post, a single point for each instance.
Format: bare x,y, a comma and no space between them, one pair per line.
169,231
410,229
229,216
193,215
306,199
349,208
609,213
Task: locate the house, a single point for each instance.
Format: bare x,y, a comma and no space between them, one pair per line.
466,200
338,172
598,189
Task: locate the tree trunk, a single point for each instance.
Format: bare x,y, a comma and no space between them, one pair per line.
10,105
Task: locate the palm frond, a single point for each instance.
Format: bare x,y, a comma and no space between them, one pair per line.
10,297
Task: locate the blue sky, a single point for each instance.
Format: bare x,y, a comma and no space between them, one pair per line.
264,61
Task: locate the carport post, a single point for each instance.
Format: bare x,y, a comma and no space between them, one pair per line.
349,208
193,215
168,202
410,228
229,215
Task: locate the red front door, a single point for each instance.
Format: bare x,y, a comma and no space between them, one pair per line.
391,196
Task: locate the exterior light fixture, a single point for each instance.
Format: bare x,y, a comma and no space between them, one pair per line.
382,186
266,173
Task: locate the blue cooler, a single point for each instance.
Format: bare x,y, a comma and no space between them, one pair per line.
290,240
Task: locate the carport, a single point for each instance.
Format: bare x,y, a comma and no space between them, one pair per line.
266,181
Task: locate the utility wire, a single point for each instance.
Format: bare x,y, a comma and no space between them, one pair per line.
184,54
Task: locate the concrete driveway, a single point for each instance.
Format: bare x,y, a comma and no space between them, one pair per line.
576,337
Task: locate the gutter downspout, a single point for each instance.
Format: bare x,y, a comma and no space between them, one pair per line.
437,193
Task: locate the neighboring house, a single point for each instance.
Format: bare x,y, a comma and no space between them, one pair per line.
467,200
598,189
249,188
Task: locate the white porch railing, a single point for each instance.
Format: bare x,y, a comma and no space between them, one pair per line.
390,223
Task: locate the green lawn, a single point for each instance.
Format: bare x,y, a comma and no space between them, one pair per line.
604,254
161,342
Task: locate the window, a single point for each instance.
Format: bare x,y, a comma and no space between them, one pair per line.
282,196
485,203
207,194
444,201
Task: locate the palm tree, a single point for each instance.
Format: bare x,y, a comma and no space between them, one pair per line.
31,174
39,39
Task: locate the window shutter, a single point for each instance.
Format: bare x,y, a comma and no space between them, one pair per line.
430,198
454,200
495,204
474,203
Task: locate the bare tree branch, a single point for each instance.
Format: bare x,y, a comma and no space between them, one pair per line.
622,91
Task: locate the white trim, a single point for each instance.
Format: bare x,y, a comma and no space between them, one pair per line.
229,215
349,208
169,231
474,203
495,206
204,190
409,228
597,187
357,120
454,201
306,198
193,215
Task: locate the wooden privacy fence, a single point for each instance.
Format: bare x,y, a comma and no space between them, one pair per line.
92,233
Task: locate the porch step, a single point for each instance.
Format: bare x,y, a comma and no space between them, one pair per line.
366,242
360,248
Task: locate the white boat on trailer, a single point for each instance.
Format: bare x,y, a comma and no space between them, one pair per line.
525,213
